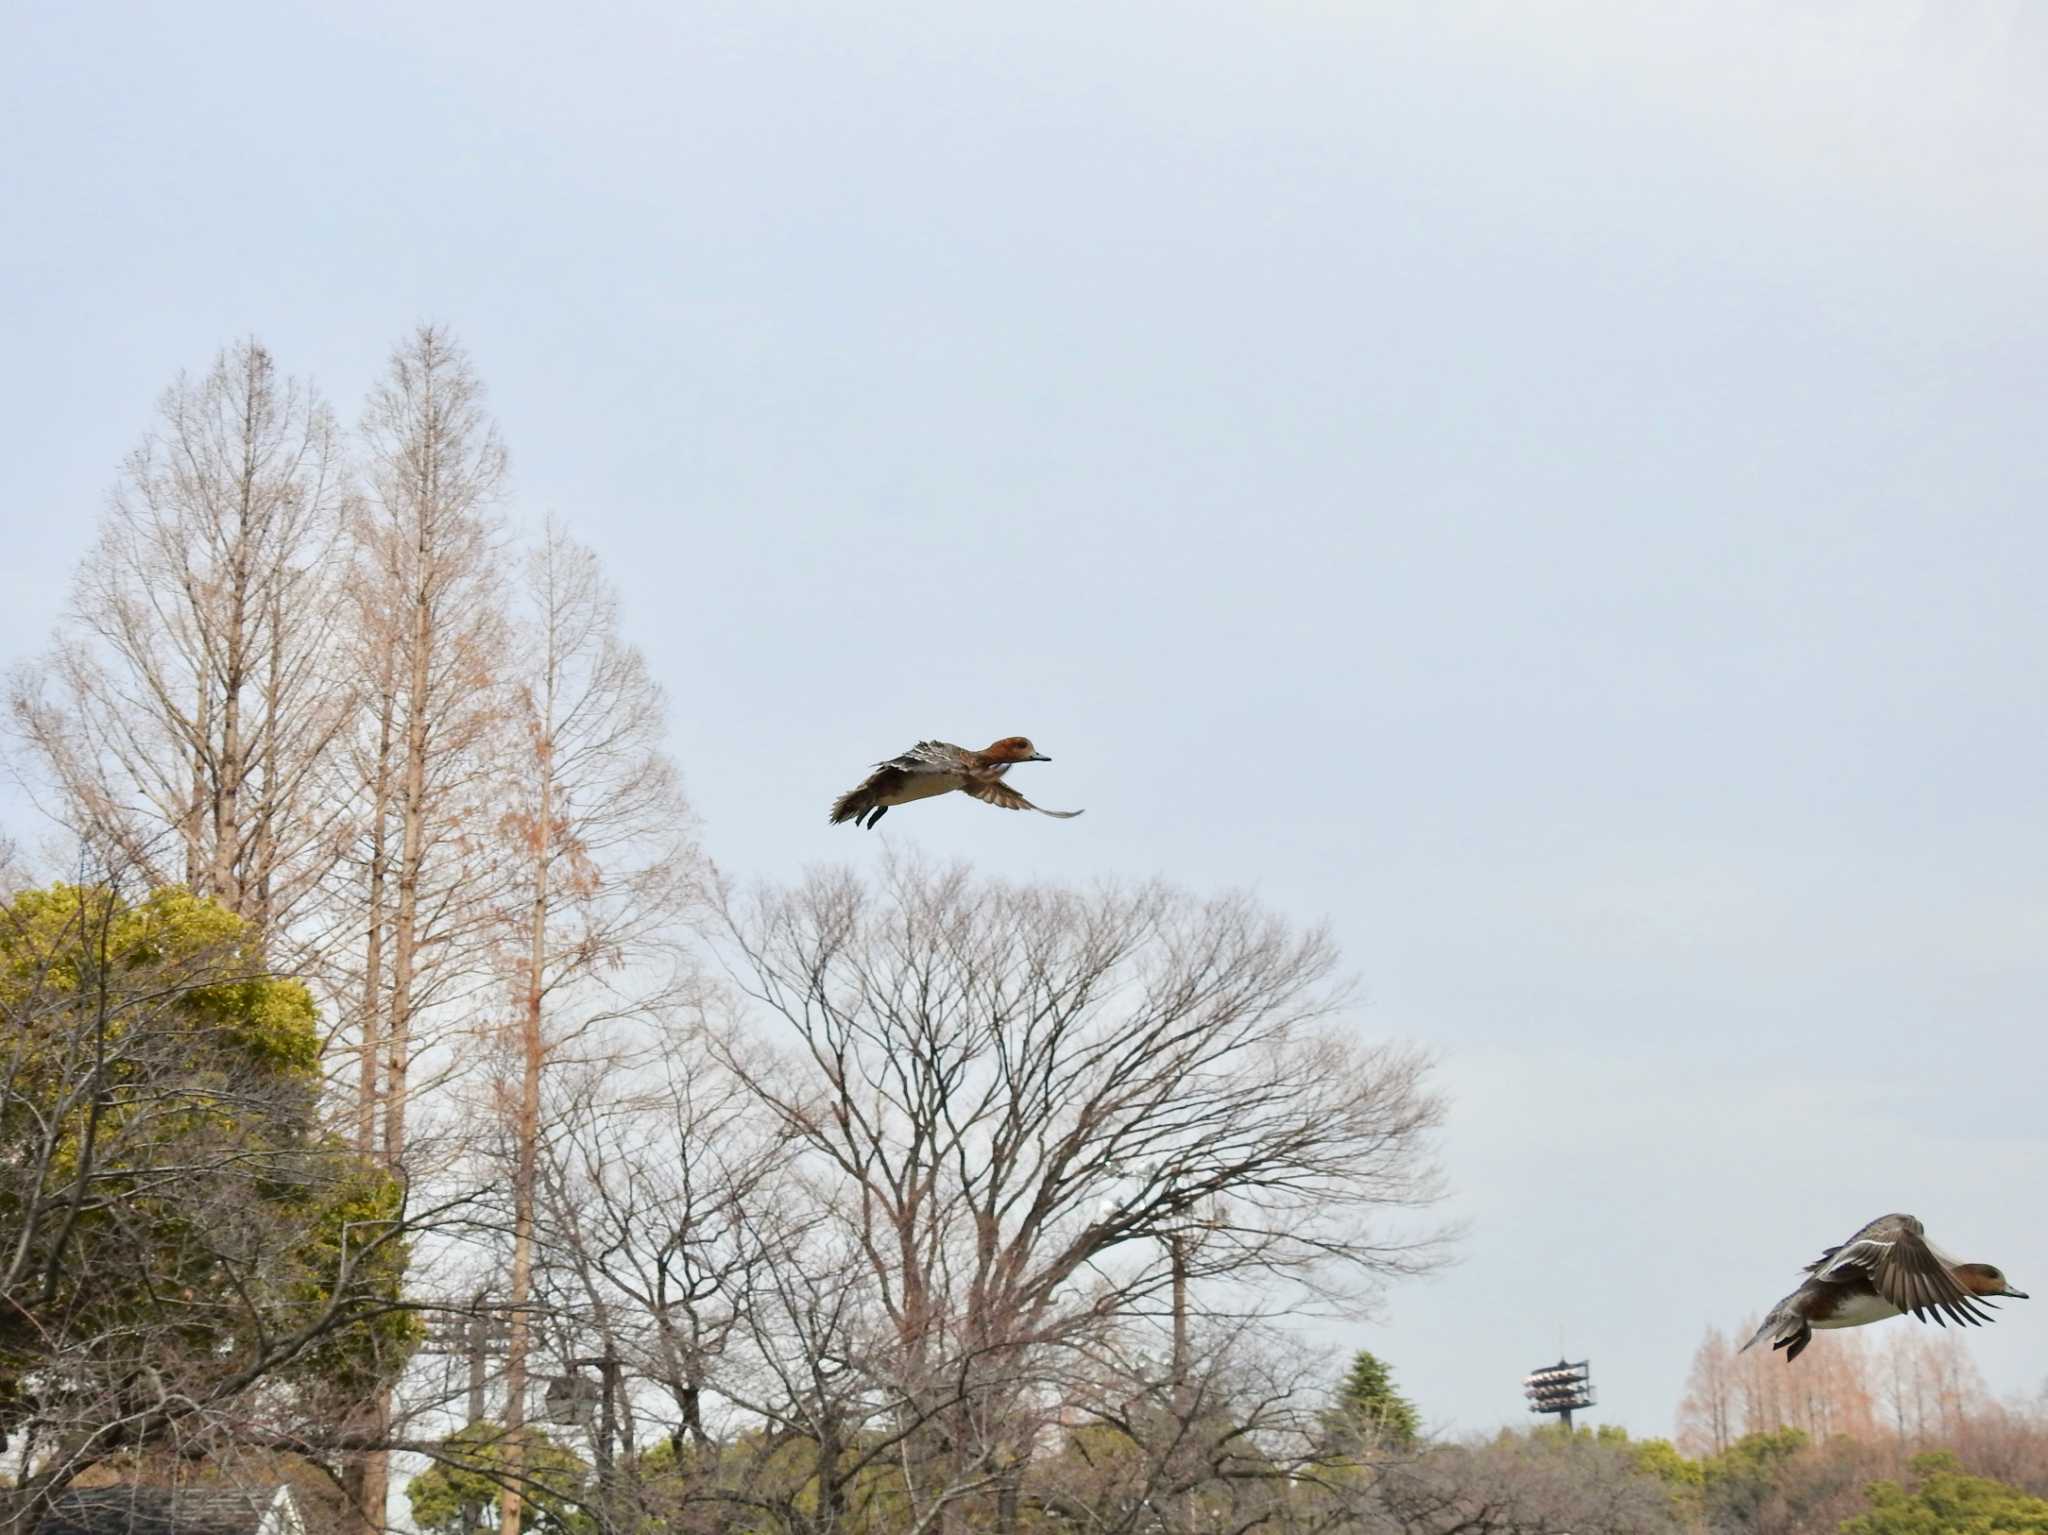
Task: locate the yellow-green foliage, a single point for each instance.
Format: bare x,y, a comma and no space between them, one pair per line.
77,955
1660,1458
1737,1487
158,1146
458,1492
353,1219
1944,1501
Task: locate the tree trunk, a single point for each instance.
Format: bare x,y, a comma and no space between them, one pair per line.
411,854
366,1478
527,1135
194,830
367,1092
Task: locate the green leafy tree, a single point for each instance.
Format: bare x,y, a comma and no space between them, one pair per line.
1944,1501
1741,1480
459,1493
1684,1481
1661,1459
179,1236
1370,1411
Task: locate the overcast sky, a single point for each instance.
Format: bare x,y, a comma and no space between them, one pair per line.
1555,490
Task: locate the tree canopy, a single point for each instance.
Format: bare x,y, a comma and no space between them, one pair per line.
178,1226
1944,1501
1369,1407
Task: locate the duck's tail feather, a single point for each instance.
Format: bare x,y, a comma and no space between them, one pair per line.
1787,1330
852,805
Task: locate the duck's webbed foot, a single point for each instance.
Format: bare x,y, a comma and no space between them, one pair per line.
880,811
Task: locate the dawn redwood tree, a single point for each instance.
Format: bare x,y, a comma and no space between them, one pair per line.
432,632
188,715
600,873
1831,1392
1707,1422
427,634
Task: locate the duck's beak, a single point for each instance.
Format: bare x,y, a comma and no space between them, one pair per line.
2015,1294
1038,757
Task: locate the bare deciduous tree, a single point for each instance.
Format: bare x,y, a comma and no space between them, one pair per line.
1544,1483
1231,1439
308,699
1706,1414
434,624
601,871
428,634
186,715
1043,1110
682,1246
662,1197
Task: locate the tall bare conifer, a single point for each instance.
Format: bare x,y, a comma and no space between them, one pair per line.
187,715
429,629
600,868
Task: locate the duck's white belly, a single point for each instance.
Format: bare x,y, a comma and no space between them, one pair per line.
1855,1310
918,786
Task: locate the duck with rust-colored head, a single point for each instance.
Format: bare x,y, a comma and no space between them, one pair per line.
1885,1270
939,767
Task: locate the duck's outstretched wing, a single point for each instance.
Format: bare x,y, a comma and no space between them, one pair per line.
1893,1253
1884,1229
992,792
928,757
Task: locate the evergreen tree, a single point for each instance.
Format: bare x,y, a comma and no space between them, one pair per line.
184,1245
1370,1411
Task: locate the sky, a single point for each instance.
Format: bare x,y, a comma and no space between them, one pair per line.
1553,490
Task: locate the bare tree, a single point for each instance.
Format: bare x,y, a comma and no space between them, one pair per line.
427,630
1706,1414
1043,1111
661,1197
1828,1393
601,871
1541,1483
433,624
303,700
187,714
680,1270
1232,1440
